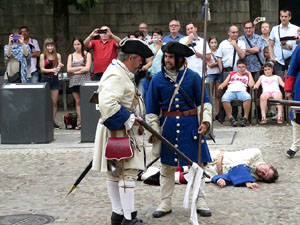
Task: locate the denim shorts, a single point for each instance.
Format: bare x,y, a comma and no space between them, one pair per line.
229,96
53,82
214,78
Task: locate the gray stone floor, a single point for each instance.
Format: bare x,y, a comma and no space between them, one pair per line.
36,178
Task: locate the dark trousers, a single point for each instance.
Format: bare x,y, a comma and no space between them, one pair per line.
97,76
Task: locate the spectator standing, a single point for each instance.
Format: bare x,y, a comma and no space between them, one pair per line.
35,50
104,49
144,28
17,56
78,67
214,73
280,57
50,64
174,27
230,50
156,45
196,44
253,47
270,84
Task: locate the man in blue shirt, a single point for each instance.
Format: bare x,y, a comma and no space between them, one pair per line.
174,35
253,46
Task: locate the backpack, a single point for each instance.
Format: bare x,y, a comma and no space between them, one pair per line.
70,120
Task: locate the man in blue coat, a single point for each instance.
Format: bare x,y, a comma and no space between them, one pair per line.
292,89
172,100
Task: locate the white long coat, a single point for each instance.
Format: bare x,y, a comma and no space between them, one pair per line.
116,88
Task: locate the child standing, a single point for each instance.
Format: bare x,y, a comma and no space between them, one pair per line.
214,73
270,85
238,83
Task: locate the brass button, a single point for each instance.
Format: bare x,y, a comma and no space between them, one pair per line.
175,160
177,106
177,131
177,117
195,137
177,99
178,124
176,145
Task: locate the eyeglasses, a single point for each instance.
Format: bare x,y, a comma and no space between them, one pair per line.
174,25
248,28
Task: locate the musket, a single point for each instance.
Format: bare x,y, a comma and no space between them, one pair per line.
283,102
203,78
82,175
167,143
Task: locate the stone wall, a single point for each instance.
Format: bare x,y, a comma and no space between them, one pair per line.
124,16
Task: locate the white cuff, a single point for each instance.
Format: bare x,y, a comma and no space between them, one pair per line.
129,123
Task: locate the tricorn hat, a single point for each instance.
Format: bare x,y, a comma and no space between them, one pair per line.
136,46
177,48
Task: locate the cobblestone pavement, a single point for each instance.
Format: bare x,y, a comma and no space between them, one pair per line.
36,178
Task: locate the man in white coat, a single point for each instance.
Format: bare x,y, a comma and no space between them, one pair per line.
119,102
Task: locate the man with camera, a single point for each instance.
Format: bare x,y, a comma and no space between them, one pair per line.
104,49
280,56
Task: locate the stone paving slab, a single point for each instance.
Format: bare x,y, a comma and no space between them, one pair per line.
35,179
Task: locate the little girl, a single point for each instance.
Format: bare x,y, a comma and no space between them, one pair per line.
213,72
270,85
50,63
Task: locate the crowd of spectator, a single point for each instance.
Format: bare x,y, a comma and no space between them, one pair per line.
26,64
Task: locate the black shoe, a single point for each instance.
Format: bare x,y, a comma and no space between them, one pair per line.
233,122
55,125
243,122
116,219
133,221
217,117
158,214
290,153
204,213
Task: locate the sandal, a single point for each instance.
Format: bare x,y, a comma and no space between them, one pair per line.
263,120
279,120
78,127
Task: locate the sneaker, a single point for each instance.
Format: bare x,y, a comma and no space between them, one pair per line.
233,122
290,153
243,122
55,125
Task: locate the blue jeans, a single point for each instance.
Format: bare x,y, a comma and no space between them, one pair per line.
229,96
35,76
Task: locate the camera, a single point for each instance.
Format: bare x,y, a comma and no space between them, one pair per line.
261,19
102,31
15,38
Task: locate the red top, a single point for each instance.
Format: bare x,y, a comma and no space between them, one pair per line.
104,53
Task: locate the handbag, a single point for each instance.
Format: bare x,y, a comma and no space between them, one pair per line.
94,98
118,148
16,78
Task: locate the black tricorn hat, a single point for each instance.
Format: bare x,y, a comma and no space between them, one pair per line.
136,46
177,48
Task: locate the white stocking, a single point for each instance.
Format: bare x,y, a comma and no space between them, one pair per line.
113,193
126,190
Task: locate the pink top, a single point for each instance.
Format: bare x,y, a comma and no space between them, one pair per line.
270,84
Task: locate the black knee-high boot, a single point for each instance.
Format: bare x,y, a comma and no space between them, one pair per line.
116,219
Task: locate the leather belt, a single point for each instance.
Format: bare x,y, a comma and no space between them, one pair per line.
219,162
180,113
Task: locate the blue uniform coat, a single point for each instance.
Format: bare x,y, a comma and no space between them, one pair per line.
180,131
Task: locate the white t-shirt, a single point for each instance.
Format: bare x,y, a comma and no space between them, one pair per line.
194,62
238,82
213,70
225,51
270,84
